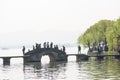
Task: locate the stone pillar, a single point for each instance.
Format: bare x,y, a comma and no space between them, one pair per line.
6,60
81,57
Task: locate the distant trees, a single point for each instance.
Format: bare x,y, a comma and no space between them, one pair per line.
105,32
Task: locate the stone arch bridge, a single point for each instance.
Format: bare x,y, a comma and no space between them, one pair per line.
35,55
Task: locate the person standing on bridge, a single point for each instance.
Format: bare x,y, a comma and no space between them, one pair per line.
51,45
79,49
47,44
23,50
36,46
39,46
44,44
99,49
63,48
119,49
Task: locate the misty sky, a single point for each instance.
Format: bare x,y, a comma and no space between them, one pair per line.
59,21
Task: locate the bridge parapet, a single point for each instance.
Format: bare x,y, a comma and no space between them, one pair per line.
54,53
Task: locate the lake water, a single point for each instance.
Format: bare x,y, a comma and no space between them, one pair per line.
71,70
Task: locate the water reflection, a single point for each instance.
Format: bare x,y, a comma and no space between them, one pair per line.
99,70
108,69
49,71
11,72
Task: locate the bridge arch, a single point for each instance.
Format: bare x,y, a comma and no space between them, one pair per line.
54,55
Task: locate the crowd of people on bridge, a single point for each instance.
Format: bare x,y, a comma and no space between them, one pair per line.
104,48
49,45
45,45
100,48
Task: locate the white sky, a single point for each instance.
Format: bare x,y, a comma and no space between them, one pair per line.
60,21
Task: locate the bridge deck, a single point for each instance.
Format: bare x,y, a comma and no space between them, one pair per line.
95,55
104,55
13,56
72,54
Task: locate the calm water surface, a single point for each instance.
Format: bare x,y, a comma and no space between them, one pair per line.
72,70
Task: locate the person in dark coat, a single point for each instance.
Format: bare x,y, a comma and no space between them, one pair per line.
119,49
99,49
79,49
63,48
51,45
23,50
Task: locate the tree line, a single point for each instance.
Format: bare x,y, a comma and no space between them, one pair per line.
105,32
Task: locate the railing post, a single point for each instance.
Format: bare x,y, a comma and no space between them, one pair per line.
6,60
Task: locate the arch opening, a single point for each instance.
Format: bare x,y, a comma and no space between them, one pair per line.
71,58
45,59
48,57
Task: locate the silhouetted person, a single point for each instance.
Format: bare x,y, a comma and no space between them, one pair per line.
105,48
79,49
99,49
119,49
36,46
51,45
23,50
44,44
63,48
47,44
39,46
33,47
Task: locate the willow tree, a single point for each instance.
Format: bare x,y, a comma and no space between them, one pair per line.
95,34
113,35
86,40
116,29
111,40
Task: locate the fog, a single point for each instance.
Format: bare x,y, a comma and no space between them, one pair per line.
26,22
